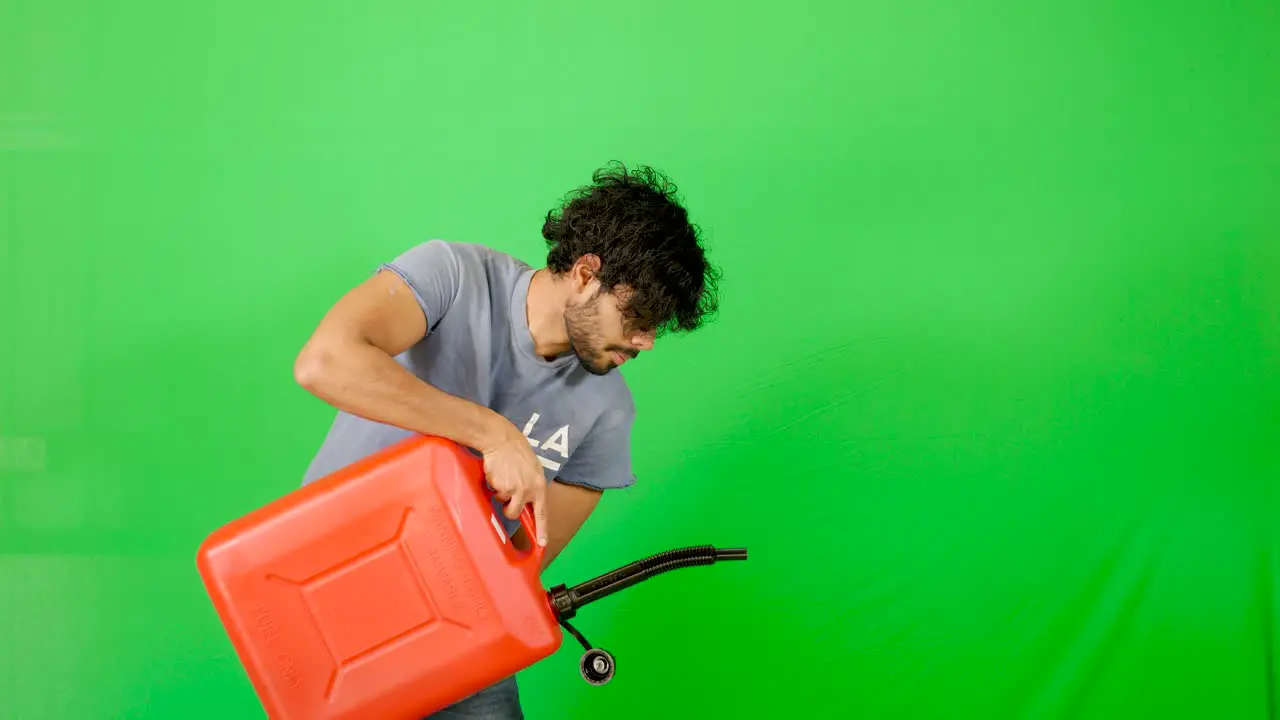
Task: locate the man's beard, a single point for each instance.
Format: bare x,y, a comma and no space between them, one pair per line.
583,325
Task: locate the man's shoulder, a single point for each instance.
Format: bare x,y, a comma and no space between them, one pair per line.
476,255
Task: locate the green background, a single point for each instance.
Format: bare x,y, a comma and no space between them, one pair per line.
993,399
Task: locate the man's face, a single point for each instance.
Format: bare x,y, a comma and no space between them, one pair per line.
599,336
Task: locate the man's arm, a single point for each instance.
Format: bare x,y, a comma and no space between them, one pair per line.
349,362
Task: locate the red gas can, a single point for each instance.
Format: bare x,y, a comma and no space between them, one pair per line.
386,591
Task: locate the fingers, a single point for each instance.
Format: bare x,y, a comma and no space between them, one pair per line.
526,485
536,496
513,508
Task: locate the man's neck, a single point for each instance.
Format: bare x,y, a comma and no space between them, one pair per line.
544,310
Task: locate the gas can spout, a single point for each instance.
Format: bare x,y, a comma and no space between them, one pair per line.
597,665
567,600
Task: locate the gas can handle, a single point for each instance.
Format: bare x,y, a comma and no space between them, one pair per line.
528,523
531,530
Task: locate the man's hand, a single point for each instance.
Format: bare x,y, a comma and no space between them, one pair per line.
516,476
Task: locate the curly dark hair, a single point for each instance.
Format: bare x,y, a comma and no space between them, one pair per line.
632,221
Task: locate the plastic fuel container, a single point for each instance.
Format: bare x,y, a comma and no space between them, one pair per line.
386,590
389,590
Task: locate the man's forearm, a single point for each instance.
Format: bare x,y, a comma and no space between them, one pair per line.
363,380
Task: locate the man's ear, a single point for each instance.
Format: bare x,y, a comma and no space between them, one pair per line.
584,271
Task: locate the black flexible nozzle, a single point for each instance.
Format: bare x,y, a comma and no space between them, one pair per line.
567,600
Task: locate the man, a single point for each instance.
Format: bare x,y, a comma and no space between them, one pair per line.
460,341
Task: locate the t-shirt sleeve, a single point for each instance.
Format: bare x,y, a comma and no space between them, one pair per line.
603,460
434,273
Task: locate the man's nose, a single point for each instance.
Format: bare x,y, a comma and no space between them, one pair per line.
642,341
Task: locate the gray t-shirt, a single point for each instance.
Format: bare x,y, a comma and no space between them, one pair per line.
478,347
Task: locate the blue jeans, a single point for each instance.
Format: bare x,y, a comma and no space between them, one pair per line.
500,701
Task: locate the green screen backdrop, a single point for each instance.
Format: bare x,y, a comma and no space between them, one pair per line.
993,399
